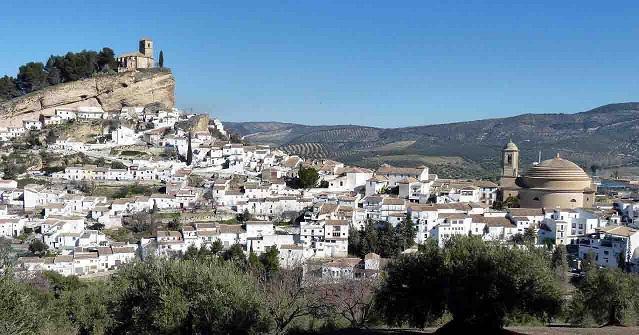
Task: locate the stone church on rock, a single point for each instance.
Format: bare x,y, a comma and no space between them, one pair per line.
141,59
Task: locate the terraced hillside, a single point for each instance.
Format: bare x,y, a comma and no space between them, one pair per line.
606,136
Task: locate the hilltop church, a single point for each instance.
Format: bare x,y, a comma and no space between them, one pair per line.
553,183
141,59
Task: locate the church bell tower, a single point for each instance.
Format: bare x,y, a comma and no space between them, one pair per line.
510,161
146,47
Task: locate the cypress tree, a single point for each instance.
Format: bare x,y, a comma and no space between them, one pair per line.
161,59
189,153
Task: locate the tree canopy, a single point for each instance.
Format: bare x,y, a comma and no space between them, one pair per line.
34,76
480,284
308,177
606,297
186,297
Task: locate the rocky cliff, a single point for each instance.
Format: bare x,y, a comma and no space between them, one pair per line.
111,92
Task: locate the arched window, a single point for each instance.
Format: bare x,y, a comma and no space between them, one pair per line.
509,159
536,198
573,200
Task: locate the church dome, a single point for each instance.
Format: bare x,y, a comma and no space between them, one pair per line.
557,174
510,146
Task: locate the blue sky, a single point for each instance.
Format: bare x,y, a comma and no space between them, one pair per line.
379,63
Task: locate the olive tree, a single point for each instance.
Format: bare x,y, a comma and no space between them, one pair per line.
186,297
479,283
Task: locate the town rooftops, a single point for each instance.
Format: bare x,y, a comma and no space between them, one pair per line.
624,231
291,247
408,180
168,233
393,201
230,229
390,170
526,211
348,262
336,222
491,221
415,207
378,178
485,184
453,216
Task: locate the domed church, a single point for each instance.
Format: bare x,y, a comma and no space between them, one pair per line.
553,183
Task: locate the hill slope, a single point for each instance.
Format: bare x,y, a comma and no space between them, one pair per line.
607,136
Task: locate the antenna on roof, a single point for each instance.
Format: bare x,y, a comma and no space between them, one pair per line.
538,159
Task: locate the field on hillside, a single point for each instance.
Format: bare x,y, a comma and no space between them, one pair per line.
606,136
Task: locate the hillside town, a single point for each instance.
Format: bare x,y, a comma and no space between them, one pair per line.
157,182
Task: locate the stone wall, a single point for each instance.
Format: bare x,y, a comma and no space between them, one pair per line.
111,92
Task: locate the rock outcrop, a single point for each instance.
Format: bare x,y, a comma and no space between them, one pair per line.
109,91
198,123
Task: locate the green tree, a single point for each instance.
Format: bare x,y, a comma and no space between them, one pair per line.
354,241
244,216
38,248
175,224
606,296
413,291
161,59
254,263
270,261
408,231
511,202
162,296
389,240
20,312
189,152
588,263
31,77
308,177
530,236
479,283
106,60
8,88
87,307
76,66
559,262
216,247
54,76
235,254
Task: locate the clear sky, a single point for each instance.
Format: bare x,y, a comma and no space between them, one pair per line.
380,63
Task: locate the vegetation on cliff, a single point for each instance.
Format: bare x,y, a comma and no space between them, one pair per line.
34,76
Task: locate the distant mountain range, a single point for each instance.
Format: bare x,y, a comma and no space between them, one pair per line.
607,136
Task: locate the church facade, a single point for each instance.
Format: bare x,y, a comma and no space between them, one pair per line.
553,183
141,59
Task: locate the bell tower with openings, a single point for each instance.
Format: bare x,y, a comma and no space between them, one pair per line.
510,160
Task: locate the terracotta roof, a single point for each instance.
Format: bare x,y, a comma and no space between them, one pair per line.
493,221
387,169
526,211
336,222
393,201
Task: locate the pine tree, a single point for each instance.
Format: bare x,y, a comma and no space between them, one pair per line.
189,153
161,59
560,262
408,232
